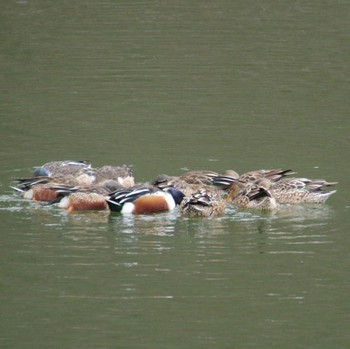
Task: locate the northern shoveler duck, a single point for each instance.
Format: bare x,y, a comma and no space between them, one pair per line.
302,190
224,181
83,201
108,179
144,200
89,198
122,174
203,204
190,182
201,177
40,188
65,172
284,190
273,175
256,195
80,170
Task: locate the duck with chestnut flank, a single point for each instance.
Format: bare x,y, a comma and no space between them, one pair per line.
143,200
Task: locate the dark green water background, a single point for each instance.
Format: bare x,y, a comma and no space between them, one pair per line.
167,86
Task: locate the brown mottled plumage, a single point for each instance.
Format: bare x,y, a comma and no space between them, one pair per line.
273,175
190,182
122,174
64,168
202,203
75,179
256,195
301,190
283,190
224,181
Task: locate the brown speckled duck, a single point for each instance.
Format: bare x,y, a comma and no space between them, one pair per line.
256,195
203,204
302,190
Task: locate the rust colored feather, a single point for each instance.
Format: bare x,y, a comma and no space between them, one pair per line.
44,194
150,204
86,201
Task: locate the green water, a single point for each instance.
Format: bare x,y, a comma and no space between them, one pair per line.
168,86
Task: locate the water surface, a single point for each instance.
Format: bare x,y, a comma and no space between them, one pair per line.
166,87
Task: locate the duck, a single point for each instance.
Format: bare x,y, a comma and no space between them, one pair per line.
256,195
122,174
224,181
272,175
302,190
144,200
202,204
190,182
67,172
49,188
81,170
284,190
91,198
40,188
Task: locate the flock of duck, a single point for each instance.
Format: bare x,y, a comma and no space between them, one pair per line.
76,186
